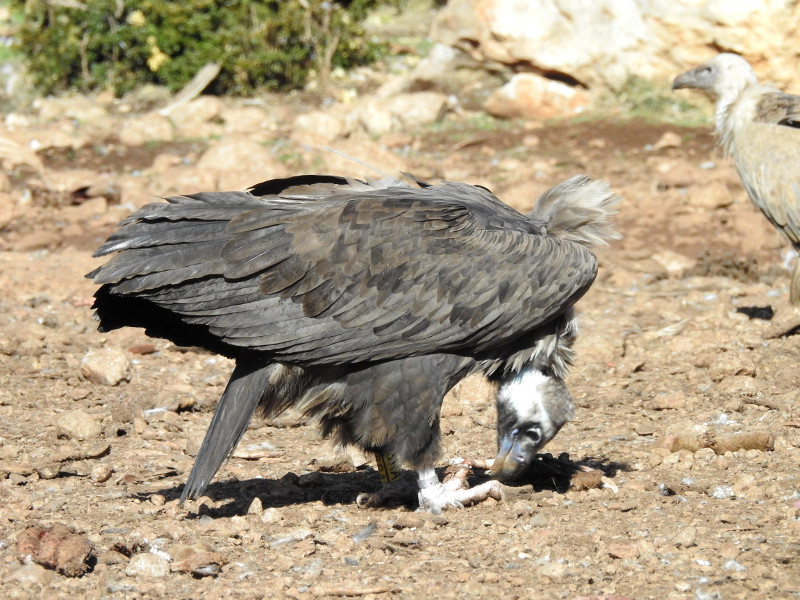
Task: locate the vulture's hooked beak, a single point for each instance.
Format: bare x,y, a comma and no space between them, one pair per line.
700,78
516,452
684,80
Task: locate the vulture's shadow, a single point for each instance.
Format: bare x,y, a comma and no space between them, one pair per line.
557,474
545,473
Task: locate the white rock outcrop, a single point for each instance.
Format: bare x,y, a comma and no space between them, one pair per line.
600,44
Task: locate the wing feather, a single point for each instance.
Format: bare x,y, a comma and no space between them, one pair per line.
348,272
772,181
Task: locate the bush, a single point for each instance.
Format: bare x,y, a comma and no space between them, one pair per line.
97,44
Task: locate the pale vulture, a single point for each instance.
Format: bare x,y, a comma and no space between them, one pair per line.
361,303
759,127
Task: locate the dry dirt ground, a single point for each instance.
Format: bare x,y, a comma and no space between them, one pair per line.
686,387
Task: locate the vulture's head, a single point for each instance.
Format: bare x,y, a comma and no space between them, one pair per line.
723,77
533,402
532,406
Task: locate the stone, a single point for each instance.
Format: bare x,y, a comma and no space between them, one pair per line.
186,180
247,119
374,116
669,139
148,565
81,108
437,65
79,424
530,96
101,473
200,110
711,195
676,264
623,551
602,44
686,538
106,366
399,112
318,123
417,108
369,152
239,162
552,570
31,574
150,127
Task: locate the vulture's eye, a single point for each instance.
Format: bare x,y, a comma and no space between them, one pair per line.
534,434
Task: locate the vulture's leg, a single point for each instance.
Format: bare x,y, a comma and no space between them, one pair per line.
395,487
237,405
794,286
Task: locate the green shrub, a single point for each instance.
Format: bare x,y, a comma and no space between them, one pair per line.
97,44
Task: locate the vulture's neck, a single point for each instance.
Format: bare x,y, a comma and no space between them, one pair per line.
732,109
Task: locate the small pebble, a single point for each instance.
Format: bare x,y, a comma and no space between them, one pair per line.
101,473
733,565
686,538
148,565
256,507
106,366
552,570
722,491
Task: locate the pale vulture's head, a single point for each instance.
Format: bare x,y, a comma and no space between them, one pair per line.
723,77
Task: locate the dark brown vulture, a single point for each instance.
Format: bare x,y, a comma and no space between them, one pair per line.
759,126
361,303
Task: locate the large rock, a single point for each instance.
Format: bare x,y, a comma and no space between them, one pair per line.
319,124
248,119
199,110
400,112
149,127
81,108
238,162
534,97
79,424
600,44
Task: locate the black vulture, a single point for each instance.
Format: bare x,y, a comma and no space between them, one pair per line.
759,126
361,303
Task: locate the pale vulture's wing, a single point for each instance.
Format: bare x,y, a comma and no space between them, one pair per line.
779,108
766,158
330,276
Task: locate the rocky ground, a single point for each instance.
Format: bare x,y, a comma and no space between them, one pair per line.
686,384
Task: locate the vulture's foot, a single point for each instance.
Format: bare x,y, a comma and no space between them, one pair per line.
438,497
395,492
455,491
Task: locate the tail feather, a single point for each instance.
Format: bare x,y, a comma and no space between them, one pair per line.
234,411
579,209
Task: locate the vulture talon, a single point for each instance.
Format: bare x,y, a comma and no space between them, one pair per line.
361,303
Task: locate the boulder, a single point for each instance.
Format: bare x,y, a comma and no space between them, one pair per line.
530,96
601,44
149,127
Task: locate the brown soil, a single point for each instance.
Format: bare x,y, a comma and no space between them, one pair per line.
687,401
